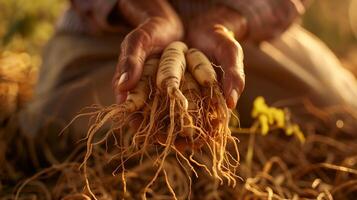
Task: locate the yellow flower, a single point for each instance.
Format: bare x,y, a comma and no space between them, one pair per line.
264,125
259,107
295,130
270,116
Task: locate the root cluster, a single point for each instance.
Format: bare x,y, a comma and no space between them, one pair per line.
180,144
280,167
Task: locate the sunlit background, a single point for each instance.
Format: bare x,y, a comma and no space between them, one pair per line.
325,164
25,26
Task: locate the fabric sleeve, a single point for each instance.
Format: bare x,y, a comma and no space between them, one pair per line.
98,14
267,18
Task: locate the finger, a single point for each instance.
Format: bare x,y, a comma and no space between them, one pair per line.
121,97
134,50
146,40
229,55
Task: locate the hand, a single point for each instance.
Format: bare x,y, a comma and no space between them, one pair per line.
268,19
213,33
157,25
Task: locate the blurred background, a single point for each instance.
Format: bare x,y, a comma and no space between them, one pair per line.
25,26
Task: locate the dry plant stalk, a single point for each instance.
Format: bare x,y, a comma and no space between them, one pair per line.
8,98
17,78
217,117
324,167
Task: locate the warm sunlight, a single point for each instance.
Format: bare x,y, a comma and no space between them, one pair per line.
189,99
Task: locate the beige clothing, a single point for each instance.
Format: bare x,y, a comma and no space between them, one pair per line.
78,69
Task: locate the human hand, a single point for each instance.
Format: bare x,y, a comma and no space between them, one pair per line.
157,25
215,33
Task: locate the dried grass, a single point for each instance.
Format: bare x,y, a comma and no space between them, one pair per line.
272,167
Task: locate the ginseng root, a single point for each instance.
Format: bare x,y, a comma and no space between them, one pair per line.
171,70
120,114
184,113
193,121
217,116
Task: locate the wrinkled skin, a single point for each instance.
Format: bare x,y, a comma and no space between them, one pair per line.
214,32
157,25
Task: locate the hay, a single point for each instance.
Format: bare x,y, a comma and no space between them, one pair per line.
272,166
280,167
17,79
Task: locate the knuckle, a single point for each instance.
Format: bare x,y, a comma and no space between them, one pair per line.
228,45
238,82
158,20
122,63
130,63
143,36
232,48
239,76
138,38
231,53
241,84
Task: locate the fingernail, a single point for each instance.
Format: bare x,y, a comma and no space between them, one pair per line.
233,98
123,78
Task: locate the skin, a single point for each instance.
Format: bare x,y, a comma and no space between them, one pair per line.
151,19
214,32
